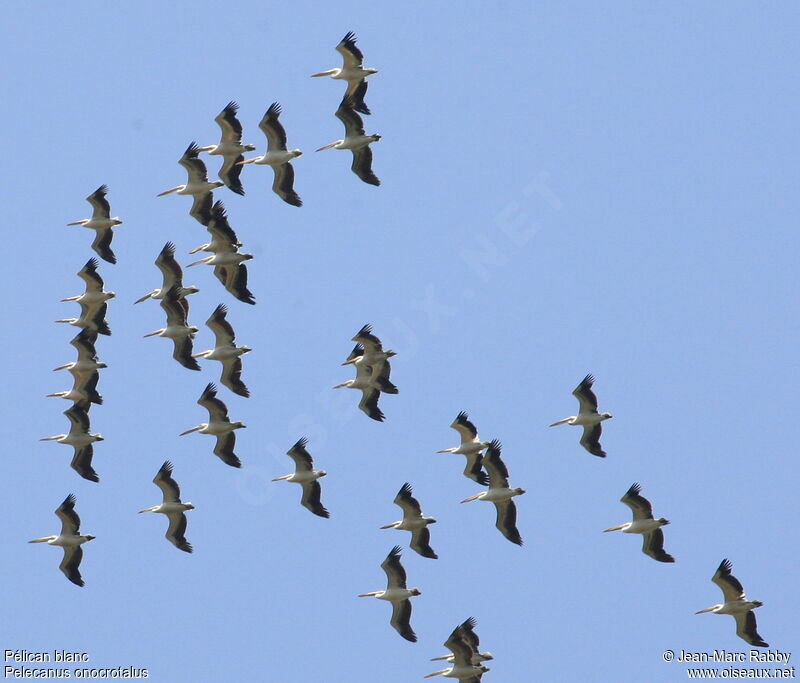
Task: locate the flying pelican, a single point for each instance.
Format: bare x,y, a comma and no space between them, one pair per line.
356,140
172,276
397,593
469,636
84,390
218,425
230,147
84,343
94,294
81,440
102,223
463,658
371,385
471,446
500,493
352,71
643,523
371,352
177,329
305,475
587,417
736,605
226,351
69,539
172,507
95,322
414,522
278,156
198,184
222,234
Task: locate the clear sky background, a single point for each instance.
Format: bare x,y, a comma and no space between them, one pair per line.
566,188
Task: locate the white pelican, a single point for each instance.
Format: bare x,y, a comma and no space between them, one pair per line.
172,507
305,475
218,425
70,539
414,522
470,446
357,141
84,343
222,234
226,351
278,156
81,440
371,385
84,390
94,294
177,329
198,184
643,523
102,223
171,276
371,353
500,493
469,636
587,417
95,322
460,643
737,605
230,147
352,71
397,593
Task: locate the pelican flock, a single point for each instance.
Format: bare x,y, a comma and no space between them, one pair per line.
484,463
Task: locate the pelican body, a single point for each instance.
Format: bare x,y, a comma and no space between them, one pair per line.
463,645
413,521
226,352
198,185
218,425
352,71
644,523
305,475
357,141
230,147
587,417
172,507
177,329
172,276
102,223
80,438
471,446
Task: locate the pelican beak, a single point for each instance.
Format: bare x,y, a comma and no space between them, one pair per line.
152,334
285,476
197,263
174,189
475,497
560,422
189,431
75,223
614,528
331,146
323,73
388,526
246,161
707,609
144,298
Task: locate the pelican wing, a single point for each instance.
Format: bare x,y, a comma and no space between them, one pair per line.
495,467
642,509
421,542
369,404
201,207
747,630
195,167
466,429
401,619
176,531
172,275
273,129
224,449
395,572
355,93
71,562
351,55
236,283
469,635
653,545
353,123
409,505
79,420
591,439
380,376
462,652
311,500
102,244
362,165
357,352
182,352
70,522
84,343
219,325
474,469
231,171
82,462
302,458
731,587
89,274
217,410
231,376
100,206
283,184
169,487
369,341
583,392
506,521
176,313
229,124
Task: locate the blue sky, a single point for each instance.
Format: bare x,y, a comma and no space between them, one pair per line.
567,188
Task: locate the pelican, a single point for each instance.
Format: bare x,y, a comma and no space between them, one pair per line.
198,184
500,493
226,351
94,322
171,276
471,446
397,593
371,385
218,425
414,522
736,605
177,329
81,440
94,294
460,643
357,141
230,147
84,390
643,523
70,539
278,156
471,638
172,507
587,417
352,71
87,361
222,234
305,475
371,353
102,223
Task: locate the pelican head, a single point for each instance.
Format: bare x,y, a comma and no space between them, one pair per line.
606,416
321,473
415,592
89,537
296,152
238,425
662,521
377,137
